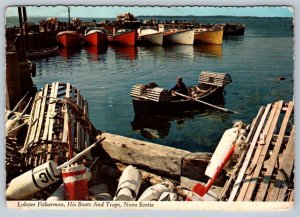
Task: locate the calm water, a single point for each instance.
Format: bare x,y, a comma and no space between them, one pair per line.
105,78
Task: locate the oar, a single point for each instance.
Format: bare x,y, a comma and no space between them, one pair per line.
208,104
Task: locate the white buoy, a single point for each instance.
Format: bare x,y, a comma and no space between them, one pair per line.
33,181
58,194
168,196
154,192
129,184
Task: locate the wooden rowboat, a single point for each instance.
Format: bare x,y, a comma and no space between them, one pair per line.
158,101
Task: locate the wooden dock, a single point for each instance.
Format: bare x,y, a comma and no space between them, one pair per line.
265,170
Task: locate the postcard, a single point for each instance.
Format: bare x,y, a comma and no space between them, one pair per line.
149,107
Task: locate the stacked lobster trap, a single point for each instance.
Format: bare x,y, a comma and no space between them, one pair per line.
58,126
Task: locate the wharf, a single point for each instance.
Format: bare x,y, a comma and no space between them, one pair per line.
59,127
265,169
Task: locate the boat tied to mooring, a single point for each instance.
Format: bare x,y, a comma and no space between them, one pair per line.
151,99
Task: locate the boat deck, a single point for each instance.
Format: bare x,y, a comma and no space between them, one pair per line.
265,170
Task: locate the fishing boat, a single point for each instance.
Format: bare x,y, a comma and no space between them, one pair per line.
151,36
69,39
41,53
175,35
124,36
179,37
95,36
234,29
151,99
209,35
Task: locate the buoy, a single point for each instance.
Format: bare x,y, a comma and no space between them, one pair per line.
154,192
129,184
221,156
33,181
209,196
58,194
168,196
75,182
100,192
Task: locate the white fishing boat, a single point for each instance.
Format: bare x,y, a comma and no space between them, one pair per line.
151,36
177,36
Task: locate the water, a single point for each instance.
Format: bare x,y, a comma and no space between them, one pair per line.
254,61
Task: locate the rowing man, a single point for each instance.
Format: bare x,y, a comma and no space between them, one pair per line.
180,87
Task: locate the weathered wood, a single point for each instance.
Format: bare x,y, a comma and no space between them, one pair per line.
250,135
13,79
242,171
188,183
26,143
267,176
285,170
194,165
34,124
52,112
262,140
161,159
46,125
254,178
42,113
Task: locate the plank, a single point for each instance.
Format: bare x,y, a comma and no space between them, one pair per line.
65,111
49,152
52,112
254,178
256,156
46,126
160,159
262,140
242,171
285,169
78,134
267,176
42,113
26,142
36,118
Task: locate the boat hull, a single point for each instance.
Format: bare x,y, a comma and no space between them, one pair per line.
156,38
209,37
96,38
175,107
180,37
41,53
69,39
126,38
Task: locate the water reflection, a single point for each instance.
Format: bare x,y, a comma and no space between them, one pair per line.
94,52
68,53
210,50
125,52
180,51
158,126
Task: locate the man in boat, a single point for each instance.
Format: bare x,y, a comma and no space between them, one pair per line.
180,87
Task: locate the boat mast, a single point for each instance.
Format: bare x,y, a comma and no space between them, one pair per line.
69,21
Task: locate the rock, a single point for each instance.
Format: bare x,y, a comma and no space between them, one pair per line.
281,78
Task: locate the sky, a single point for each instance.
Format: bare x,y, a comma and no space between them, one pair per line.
112,11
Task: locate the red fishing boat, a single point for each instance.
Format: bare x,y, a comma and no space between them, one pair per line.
95,36
124,36
69,39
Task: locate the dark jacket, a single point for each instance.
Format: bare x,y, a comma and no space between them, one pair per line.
180,88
